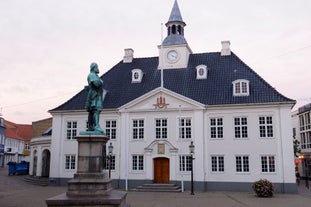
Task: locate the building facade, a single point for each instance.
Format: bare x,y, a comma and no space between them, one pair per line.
2,139
155,107
301,120
40,148
16,144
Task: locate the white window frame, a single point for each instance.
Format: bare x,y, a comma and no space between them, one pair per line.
184,129
185,163
111,131
70,161
71,131
266,126
199,69
139,160
217,163
268,165
113,162
163,129
217,128
244,168
137,75
140,134
242,128
240,87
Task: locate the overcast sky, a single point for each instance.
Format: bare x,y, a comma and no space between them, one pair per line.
46,47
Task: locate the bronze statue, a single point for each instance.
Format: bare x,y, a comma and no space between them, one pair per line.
94,101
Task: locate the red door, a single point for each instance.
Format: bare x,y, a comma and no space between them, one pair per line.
161,170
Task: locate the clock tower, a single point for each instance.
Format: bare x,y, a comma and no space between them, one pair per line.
174,51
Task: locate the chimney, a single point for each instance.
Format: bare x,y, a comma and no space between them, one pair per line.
225,50
128,55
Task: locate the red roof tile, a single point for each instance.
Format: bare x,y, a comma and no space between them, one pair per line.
18,131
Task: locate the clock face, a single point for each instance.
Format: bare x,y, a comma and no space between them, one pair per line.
172,55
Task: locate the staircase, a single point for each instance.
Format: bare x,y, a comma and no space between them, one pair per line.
42,181
157,187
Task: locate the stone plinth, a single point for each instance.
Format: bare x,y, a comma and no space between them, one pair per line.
90,186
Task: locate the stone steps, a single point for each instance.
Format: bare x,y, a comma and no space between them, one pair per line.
158,187
41,181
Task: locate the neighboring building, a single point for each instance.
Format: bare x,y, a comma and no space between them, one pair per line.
301,120
40,146
2,139
239,124
16,145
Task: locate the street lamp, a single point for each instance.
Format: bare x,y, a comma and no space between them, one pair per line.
110,149
191,149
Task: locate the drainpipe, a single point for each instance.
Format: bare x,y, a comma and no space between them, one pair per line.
281,143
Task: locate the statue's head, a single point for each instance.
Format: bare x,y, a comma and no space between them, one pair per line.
94,68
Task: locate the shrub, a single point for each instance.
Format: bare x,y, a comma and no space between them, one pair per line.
263,188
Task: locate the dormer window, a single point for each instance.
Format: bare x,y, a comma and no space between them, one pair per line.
137,75
202,72
240,87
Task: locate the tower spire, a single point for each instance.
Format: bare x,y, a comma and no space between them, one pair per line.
175,14
175,28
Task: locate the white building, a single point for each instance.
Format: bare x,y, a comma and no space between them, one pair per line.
301,120
40,148
239,124
16,147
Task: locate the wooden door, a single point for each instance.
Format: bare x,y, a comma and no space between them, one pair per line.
161,170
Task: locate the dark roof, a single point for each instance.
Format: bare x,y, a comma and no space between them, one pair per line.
304,108
215,90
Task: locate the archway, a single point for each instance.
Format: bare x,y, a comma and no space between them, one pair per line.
161,166
46,157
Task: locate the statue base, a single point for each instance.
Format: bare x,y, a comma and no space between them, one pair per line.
90,186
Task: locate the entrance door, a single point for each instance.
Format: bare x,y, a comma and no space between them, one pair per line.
161,170
45,163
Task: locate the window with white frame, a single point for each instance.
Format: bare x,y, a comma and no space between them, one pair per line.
267,163
185,163
307,121
218,163
138,128
216,128
185,128
240,127
308,139
111,129
70,162
71,129
161,128
201,71
137,162
305,140
242,163
265,126
111,162
240,87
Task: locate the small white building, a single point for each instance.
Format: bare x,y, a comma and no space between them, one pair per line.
155,107
40,148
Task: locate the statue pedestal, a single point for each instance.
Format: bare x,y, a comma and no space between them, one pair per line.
90,186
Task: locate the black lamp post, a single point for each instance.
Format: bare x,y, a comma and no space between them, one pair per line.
191,149
110,149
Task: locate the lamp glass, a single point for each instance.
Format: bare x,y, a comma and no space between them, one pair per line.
191,148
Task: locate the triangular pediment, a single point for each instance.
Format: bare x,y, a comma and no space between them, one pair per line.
161,99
